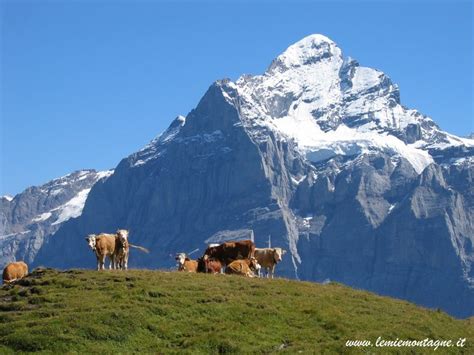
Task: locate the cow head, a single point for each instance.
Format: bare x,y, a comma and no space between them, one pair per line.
254,265
180,258
278,254
91,240
122,234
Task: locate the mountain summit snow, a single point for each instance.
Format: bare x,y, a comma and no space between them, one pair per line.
309,50
317,155
330,105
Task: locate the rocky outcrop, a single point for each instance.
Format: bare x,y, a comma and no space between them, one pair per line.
29,217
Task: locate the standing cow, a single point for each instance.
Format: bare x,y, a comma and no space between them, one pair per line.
103,245
230,251
268,258
122,249
14,271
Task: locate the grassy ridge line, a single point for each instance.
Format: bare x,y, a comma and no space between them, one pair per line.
168,312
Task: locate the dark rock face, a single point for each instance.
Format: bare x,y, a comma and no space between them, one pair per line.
390,210
392,232
39,211
210,175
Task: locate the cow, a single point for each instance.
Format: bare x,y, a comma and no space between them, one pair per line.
209,265
186,264
230,251
14,271
245,267
103,245
268,258
122,249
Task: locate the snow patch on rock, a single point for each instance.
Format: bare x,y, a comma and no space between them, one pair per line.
73,208
42,217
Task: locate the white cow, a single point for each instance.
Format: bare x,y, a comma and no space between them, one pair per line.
268,258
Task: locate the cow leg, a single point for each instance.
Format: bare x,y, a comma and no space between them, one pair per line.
125,262
112,262
273,270
102,262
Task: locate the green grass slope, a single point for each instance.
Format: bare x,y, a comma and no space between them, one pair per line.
146,311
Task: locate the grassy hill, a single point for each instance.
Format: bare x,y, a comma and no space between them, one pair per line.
167,312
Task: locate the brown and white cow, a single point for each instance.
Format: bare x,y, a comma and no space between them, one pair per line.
103,245
209,265
122,249
268,258
14,271
186,264
230,251
245,267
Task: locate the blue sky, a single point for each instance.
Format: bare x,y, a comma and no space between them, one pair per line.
86,83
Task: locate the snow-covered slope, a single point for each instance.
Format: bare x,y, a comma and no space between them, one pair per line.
330,105
29,217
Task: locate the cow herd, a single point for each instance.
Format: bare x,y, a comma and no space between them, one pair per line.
114,246
232,257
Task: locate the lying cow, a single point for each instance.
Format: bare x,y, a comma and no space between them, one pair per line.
268,258
230,251
103,245
186,264
122,249
246,267
209,266
14,271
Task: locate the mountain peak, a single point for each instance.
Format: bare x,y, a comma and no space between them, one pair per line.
309,50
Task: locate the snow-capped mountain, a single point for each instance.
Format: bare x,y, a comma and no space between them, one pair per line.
29,217
330,105
319,156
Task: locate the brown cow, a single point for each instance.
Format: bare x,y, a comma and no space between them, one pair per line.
14,271
209,266
103,245
246,267
230,251
268,258
186,264
122,249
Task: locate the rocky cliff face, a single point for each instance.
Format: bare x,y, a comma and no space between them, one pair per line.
317,153
39,211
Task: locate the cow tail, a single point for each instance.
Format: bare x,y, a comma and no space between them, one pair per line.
145,250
